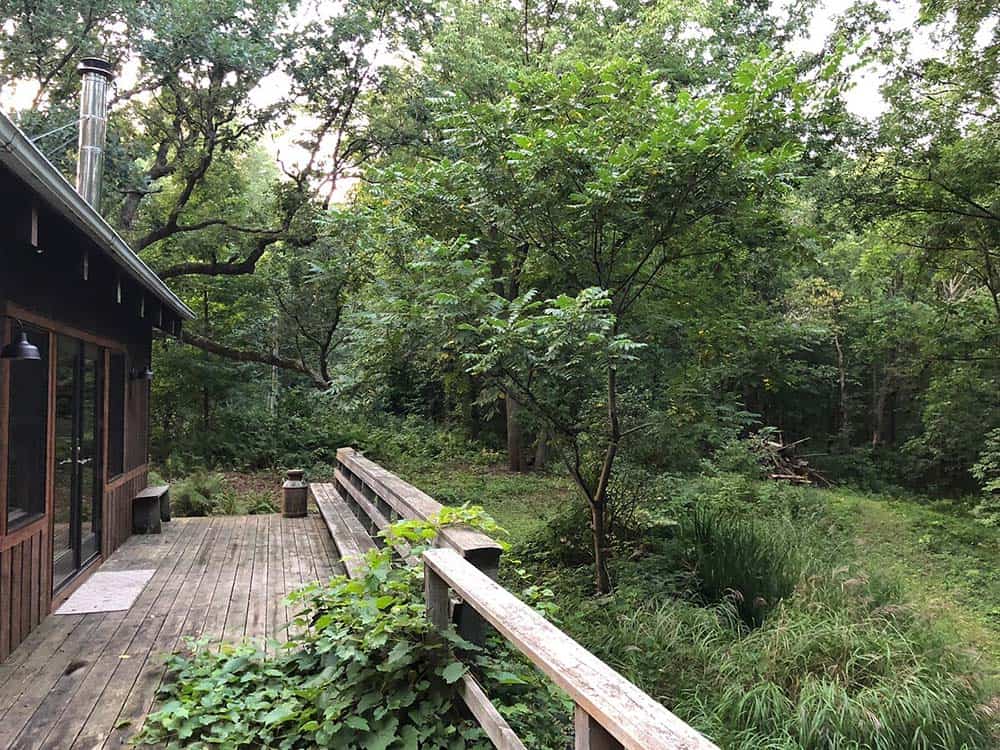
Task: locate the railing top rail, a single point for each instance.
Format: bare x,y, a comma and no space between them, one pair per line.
626,712
411,502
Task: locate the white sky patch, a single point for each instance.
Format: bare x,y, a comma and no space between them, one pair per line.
984,37
864,98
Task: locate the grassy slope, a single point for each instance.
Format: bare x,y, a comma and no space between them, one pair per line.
947,563
520,503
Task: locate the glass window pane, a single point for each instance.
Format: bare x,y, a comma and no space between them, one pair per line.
27,442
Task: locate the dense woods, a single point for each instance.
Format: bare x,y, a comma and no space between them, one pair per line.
611,241
378,208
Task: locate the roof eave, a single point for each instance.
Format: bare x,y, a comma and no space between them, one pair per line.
19,154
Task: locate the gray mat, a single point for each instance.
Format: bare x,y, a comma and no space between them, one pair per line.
107,592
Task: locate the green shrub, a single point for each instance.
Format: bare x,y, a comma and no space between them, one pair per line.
748,564
205,493
987,472
199,494
259,503
566,539
364,671
870,469
738,456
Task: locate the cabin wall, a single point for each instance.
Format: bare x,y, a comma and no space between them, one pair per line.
44,284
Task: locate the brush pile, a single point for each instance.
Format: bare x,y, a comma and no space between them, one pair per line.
781,461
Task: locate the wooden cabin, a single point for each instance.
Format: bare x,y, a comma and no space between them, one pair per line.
74,420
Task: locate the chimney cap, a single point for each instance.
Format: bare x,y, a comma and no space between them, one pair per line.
95,65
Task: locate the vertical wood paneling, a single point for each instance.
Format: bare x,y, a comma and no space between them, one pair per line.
26,572
15,595
36,581
118,510
23,599
4,604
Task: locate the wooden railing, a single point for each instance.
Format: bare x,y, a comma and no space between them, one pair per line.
378,497
611,712
461,589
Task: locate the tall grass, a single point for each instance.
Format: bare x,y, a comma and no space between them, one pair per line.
822,677
832,668
751,565
754,625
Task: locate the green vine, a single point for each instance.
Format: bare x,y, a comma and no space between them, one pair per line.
362,671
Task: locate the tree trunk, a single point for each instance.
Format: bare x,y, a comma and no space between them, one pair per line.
598,521
542,449
845,426
515,436
881,399
596,501
206,403
272,397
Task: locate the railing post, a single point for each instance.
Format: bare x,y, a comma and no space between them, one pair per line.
469,623
590,735
437,599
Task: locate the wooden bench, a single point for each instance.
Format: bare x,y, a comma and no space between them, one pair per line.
149,508
349,536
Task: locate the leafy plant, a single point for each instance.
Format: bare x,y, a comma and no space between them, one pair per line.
199,494
987,471
750,565
366,670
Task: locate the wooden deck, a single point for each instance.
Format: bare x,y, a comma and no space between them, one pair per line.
86,681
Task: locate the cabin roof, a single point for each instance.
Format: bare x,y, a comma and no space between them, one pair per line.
24,159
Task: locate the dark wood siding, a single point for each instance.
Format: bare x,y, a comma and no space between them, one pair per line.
118,507
24,597
46,285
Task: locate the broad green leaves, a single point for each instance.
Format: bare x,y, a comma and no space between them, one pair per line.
362,673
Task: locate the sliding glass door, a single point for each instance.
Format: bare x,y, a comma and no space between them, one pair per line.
77,487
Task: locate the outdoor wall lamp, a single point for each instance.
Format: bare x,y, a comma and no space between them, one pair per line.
21,348
141,374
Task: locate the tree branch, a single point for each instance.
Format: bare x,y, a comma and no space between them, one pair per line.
250,356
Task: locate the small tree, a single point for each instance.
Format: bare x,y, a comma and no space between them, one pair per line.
608,180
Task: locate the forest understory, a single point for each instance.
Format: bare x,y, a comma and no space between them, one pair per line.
582,264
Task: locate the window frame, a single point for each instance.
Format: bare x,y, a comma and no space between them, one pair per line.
28,521
111,354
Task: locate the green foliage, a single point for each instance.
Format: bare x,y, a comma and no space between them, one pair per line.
987,471
748,564
844,659
198,495
836,665
565,540
843,668
207,493
740,456
364,670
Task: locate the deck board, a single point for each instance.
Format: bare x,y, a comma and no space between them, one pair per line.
86,681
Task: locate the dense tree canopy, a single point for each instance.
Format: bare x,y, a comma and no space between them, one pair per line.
611,233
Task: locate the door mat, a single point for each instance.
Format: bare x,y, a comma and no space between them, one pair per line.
107,592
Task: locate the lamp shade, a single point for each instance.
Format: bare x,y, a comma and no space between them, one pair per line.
20,349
